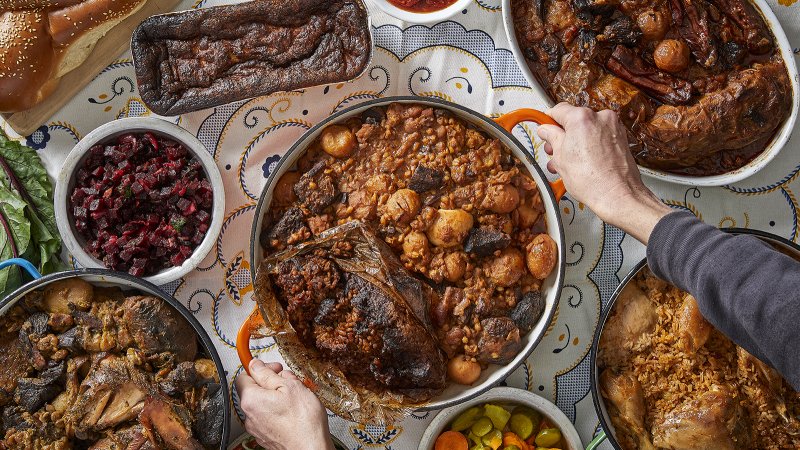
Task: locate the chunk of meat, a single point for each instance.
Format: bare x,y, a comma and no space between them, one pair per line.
713,421
59,295
621,31
739,115
187,375
131,438
633,316
499,342
691,18
209,415
743,14
626,400
169,424
33,393
485,241
316,189
291,228
13,362
528,311
629,66
425,179
156,327
112,393
693,329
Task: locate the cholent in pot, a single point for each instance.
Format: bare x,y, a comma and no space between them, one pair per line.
458,210
88,367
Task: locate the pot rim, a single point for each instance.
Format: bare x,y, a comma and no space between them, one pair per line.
300,145
146,287
777,142
597,399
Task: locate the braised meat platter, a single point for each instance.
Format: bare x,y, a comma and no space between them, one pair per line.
700,84
91,367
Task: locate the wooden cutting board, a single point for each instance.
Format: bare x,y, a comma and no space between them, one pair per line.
113,44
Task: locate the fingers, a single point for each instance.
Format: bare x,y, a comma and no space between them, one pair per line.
275,366
552,134
288,375
548,148
265,376
552,167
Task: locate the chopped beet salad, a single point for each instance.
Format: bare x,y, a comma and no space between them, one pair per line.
142,203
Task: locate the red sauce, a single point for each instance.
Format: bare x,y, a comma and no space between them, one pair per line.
422,6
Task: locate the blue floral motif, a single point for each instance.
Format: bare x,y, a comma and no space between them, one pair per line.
269,165
39,138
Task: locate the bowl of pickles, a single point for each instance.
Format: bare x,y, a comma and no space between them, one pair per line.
503,418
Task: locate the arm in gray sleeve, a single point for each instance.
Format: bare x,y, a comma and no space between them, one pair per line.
744,287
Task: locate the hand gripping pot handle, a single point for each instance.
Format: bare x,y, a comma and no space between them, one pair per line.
514,118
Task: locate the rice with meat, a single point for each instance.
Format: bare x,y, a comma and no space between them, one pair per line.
673,373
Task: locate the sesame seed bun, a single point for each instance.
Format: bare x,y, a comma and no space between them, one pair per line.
42,40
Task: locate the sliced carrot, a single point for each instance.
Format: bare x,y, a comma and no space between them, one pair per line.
451,440
510,438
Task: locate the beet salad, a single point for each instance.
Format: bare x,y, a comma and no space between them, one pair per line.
142,203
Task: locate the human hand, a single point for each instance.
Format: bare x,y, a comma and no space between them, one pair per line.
592,156
280,411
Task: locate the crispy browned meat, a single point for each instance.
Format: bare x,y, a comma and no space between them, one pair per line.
713,421
157,328
170,423
374,342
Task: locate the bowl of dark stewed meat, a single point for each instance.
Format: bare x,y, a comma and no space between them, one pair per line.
103,360
142,196
708,89
466,229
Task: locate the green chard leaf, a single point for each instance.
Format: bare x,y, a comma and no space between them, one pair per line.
28,226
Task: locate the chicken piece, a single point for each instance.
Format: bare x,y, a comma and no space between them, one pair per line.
168,424
770,382
157,328
59,295
112,393
633,316
188,375
624,392
693,329
131,438
77,368
713,421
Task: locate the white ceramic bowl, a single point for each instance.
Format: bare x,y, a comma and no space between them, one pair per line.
65,183
504,396
429,17
778,141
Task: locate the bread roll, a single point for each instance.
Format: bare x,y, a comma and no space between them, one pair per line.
42,40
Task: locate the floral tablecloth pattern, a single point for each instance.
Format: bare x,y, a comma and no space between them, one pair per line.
465,60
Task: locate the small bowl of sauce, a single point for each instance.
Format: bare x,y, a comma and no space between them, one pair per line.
422,11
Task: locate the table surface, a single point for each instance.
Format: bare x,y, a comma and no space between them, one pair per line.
465,60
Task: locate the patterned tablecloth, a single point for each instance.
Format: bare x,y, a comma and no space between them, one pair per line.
465,60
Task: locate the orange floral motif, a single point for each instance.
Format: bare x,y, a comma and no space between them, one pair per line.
787,2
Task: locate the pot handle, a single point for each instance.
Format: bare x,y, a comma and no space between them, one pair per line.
253,322
596,441
513,118
25,264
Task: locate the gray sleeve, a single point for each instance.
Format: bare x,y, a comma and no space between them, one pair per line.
744,287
